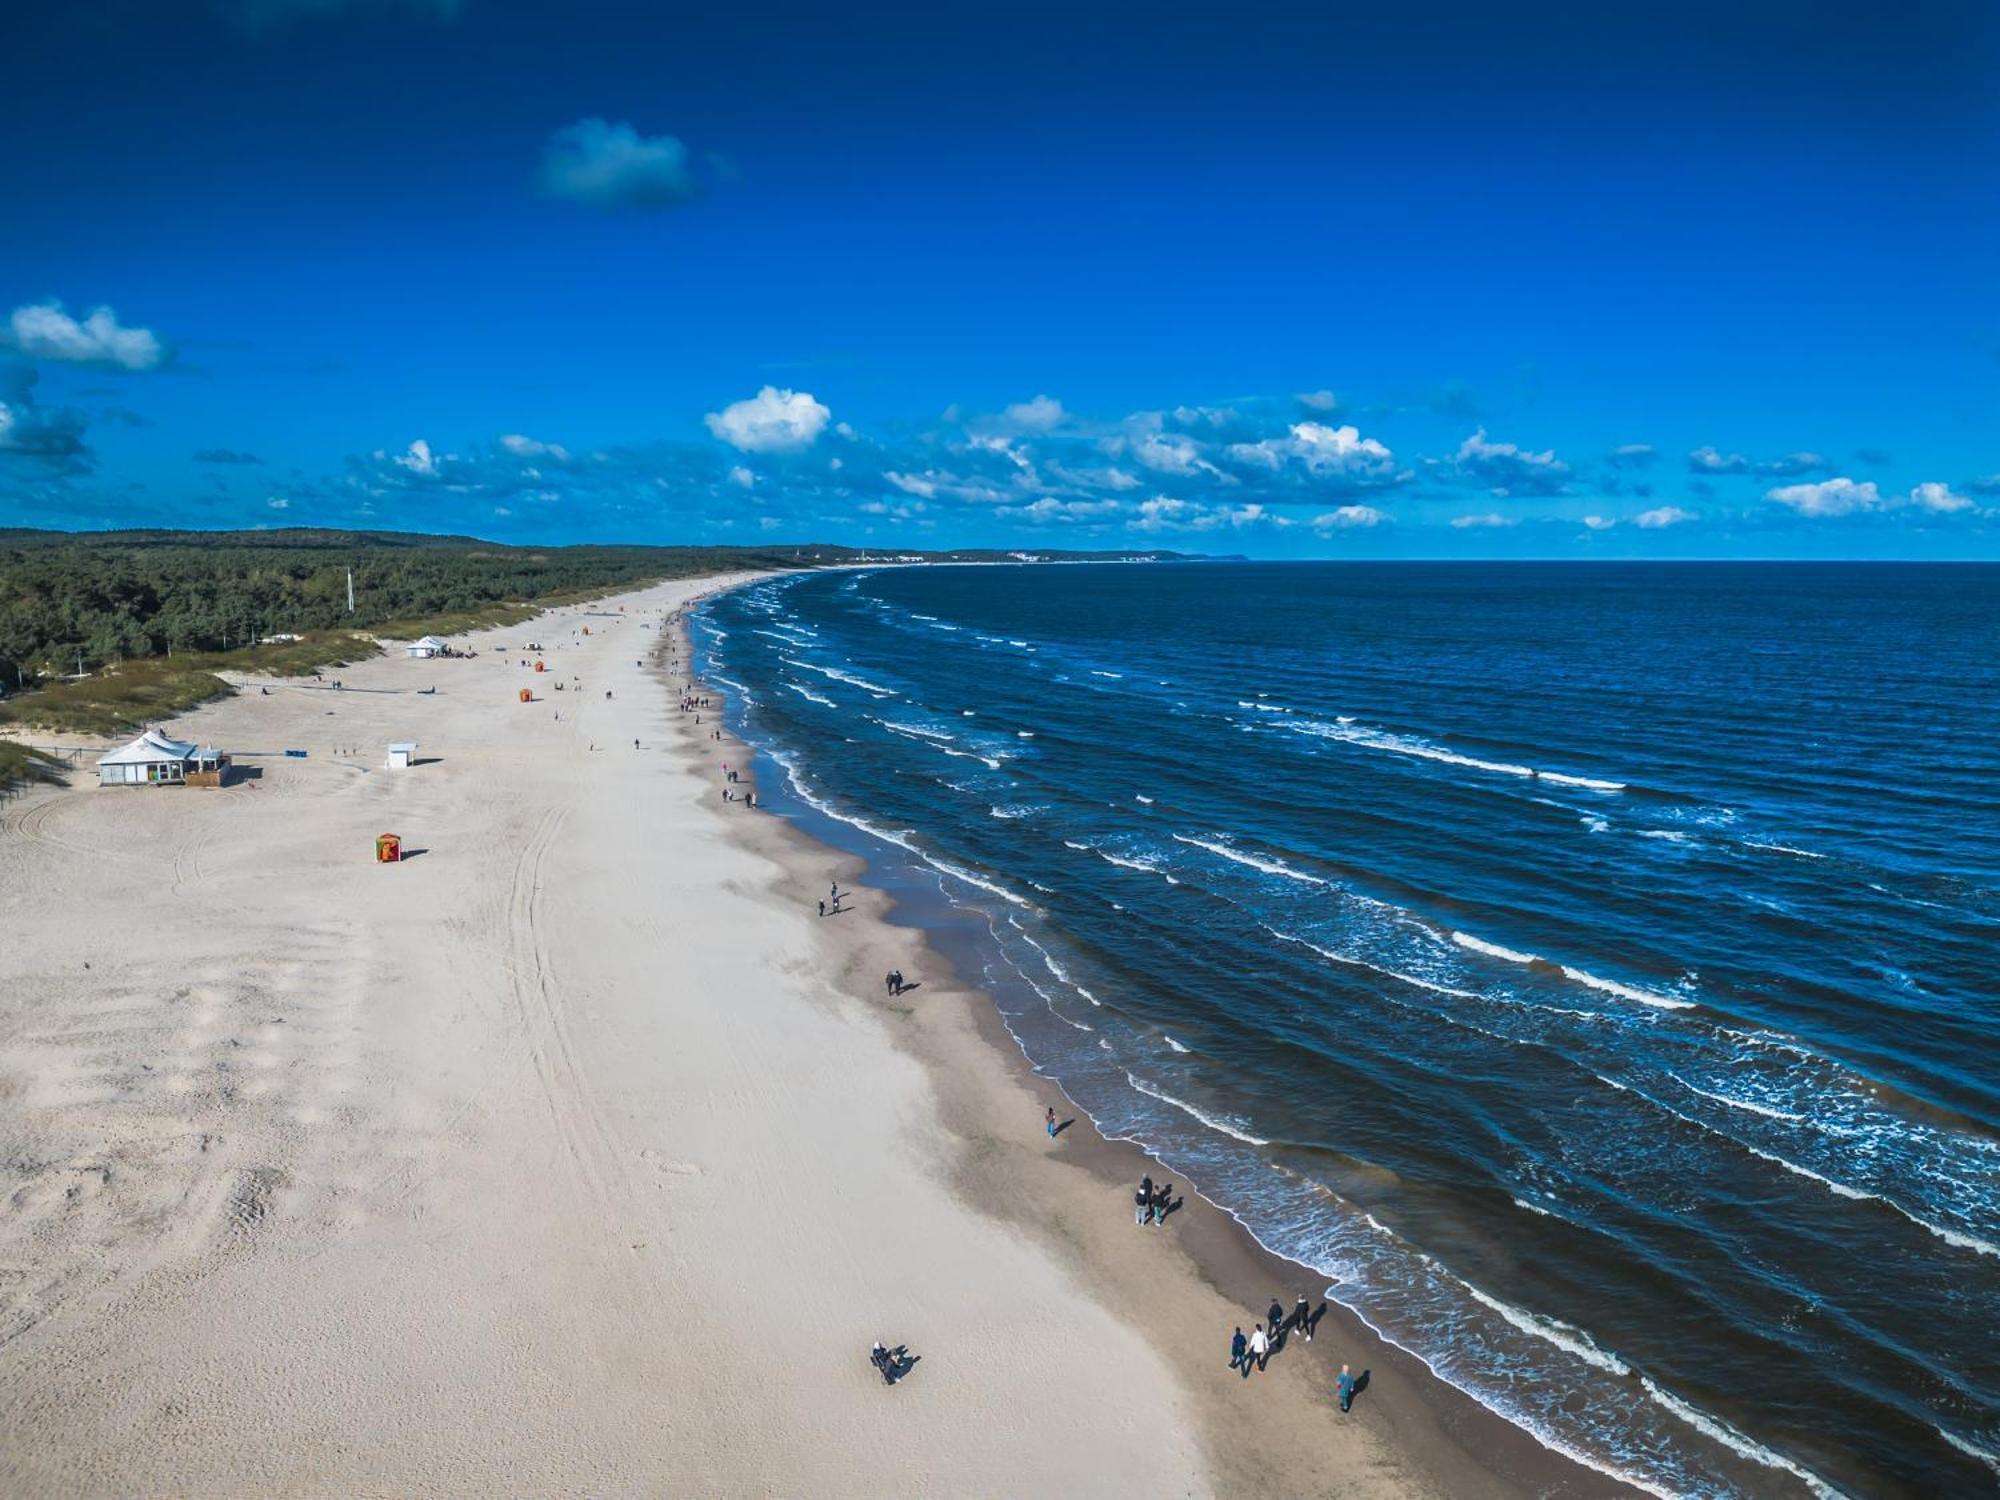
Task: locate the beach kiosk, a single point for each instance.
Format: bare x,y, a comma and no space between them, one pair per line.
155,760
388,849
401,755
426,648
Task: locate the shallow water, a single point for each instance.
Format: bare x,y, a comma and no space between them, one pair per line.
1590,970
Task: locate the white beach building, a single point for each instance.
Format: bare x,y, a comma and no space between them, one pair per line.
429,646
402,754
155,760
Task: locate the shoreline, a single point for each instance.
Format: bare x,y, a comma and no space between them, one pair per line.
1410,1431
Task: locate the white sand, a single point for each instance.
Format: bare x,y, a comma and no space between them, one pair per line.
549,1161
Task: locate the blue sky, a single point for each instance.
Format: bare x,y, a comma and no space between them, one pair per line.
1563,280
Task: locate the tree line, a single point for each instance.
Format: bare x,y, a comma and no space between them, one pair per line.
98,598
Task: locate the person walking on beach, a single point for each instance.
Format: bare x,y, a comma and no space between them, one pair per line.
1260,1349
1277,1316
1238,1347
1050,1125
889,981
822,908
1302,1318
1347,1385
1144,1199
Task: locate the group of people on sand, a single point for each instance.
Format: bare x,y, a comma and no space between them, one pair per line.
1153,1204
893,982
1269,1337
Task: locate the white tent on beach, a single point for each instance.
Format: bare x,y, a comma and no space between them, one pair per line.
155,760
429,646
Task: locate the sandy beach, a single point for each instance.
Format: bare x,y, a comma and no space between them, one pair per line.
575,1154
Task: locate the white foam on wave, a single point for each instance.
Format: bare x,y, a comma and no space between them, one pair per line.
1576,976
1625,991
1783,849
1134,864
917,729
1666,835
1345,730
1361,963
1744,1104
959,872
1950,1236
890,836
1024,734
1534,1208
1492,950
1234,1131
1237,856
839,676
1262,708
1970,1449
1172,1043
1139,797
938,741
1597,825
1736,1442
1010,813
1564,1336
809,693
729,682
1114,676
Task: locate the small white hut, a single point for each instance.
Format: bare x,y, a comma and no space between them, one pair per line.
155,760
402,755
428,647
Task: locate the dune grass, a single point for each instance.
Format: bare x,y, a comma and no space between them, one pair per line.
20,765
129,695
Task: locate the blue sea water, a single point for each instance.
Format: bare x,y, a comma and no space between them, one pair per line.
1592,972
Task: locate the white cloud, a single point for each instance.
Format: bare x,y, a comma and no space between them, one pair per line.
1707,460
1489,518
1043,414
1349,516
1664,516
527,447
1632,455
610,165
1325,452
279,502
742,476
1317,400
44,331
1510,468
1599,523
418,459
1792,465
1829,497
1940,498
772,421
1050,509
1170,453
912,484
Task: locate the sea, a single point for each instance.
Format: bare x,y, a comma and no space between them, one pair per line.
1589,974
